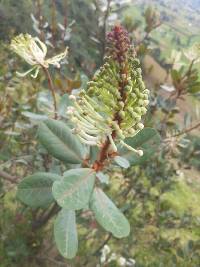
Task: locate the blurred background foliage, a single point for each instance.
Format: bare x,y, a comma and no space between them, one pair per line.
161,195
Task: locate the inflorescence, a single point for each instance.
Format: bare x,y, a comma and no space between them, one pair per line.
34,52
115,100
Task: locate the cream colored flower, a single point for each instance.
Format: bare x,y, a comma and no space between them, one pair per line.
33,51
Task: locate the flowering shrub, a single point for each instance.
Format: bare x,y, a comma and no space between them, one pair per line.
107,129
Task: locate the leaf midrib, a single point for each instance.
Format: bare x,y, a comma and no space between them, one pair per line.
75,186
102,204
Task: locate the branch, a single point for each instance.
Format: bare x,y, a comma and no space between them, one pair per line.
43,259
188,72
8,177
96,252
104,24
42,221
187,130
102,245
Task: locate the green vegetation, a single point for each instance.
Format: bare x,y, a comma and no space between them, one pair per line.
50,213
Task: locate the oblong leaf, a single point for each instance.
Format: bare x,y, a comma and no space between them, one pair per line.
75,188
148,139
57,138
108,215
65,233
36,190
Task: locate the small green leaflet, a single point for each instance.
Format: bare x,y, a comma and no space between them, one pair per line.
108,215
75,188
103,178
57,138
65,233
36,190
122,162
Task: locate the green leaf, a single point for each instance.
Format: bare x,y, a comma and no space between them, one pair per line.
34,116
36,190
94,152
64,103
75,188
122,162
108,215
194,89
175,75
147,139
57,138
65,233
103,178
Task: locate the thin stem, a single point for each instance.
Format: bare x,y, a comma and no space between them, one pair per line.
65,19
8,177
47,216
188,72
105,24
53,21
103,153
40,18
52,89
96,252
187,130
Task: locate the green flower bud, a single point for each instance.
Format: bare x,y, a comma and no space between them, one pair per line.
137,91
131,131
140,126
128,88
139,71
145,96
138,110
136,62
142,85
146,102
122,114
121,104
146,91
138,119
143,110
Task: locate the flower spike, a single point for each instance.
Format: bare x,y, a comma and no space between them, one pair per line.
112,106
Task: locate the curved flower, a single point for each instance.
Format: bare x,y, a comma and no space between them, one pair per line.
112,106
33,51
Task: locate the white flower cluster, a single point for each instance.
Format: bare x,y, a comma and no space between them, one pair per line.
91,127
33,51
107,256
